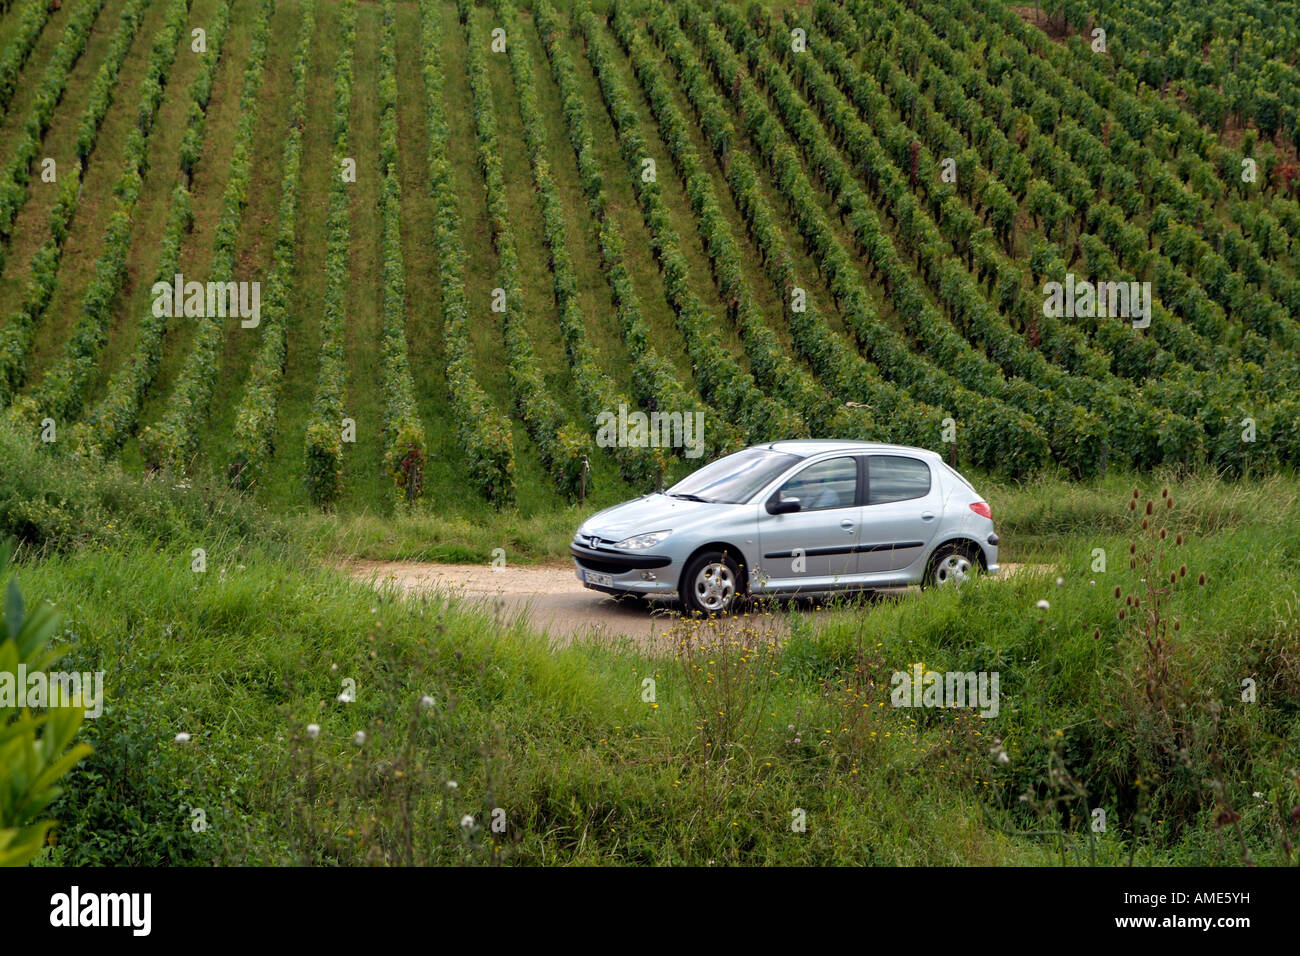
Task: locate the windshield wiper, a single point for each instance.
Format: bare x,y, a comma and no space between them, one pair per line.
707,501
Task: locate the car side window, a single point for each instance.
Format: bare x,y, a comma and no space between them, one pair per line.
827,484
896,478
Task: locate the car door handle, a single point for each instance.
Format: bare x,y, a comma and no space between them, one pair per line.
846,525
927,515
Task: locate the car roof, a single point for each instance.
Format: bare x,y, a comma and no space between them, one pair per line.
808,447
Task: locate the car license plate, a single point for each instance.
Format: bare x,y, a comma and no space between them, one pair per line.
596,579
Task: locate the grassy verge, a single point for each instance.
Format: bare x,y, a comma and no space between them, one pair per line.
734,748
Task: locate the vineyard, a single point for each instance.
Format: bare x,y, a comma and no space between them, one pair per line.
468,232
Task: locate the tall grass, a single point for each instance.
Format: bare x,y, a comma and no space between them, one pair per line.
730,745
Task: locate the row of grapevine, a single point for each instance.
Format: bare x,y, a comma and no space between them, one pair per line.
1131,426
1135,357
596,391
103,89
1197,245
869,406
654,380
34,17
43,273
1166,116
1044,81
563,446
113,418
172,441
60,393
722,381
772,368
1148,435
323,446
15,337
893,414
1076,436
16,175
998,436
1218,389
404,445
256,417
482,431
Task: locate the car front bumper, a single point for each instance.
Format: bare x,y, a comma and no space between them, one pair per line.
622,572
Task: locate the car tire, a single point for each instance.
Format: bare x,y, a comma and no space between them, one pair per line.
949,566
711,584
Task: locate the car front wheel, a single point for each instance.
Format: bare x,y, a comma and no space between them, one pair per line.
711,584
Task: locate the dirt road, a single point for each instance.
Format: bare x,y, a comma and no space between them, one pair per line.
552,599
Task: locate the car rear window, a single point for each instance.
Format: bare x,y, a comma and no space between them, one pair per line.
896,478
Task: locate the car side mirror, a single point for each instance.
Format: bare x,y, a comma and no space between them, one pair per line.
783,506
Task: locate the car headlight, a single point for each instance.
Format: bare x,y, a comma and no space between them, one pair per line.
639,542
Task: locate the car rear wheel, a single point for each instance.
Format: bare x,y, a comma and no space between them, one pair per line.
711,584
950,567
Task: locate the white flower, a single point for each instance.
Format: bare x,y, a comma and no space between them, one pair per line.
334,667
313,731
345,697
452,785
182,738
1257,795
359,737
426,701
1060,581
466,821
1003,759
1043,605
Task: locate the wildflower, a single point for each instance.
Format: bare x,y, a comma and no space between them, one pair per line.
466,821
359,737
452,785
426,701
313,731
1043,605
182,738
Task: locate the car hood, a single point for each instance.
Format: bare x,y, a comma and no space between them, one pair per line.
651,513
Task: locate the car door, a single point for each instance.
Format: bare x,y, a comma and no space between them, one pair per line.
818,540
903,505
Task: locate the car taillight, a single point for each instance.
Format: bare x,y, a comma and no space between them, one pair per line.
980,508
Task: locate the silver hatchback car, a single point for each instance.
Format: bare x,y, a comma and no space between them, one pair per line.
792,517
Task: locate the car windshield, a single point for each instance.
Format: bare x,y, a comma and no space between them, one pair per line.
734,479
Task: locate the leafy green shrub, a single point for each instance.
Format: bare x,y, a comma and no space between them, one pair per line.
32,764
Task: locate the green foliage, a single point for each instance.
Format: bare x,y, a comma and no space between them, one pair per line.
483,432
256,416
172,442
59,394
104,429
15,176
722,381
654,380
404,453
36,750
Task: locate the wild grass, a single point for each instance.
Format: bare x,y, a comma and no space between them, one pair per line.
735,746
